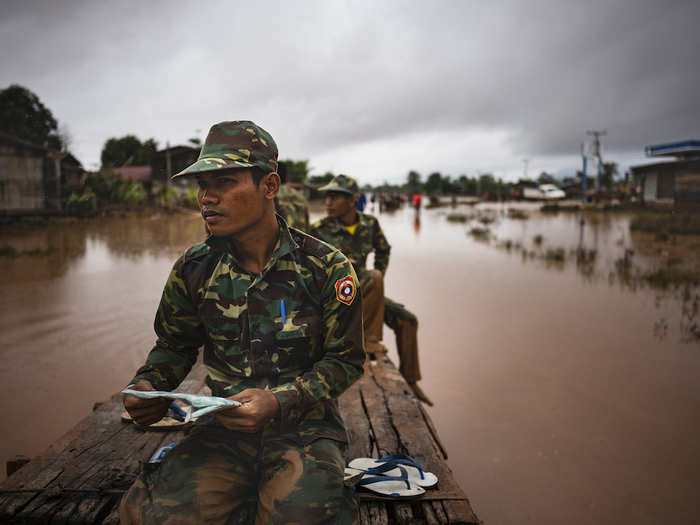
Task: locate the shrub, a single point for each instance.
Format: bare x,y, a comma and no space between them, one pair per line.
80,205
132,194
189,198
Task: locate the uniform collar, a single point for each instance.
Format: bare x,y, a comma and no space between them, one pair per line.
338,226
285,244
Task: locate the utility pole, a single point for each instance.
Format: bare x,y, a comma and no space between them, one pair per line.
583,173
525,163
596,153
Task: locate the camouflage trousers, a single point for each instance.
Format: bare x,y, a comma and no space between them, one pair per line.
405,327
218,476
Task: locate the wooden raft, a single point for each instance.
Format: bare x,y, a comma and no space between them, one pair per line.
81,477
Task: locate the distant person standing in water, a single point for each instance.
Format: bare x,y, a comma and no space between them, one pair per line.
361,202
417,200
357,235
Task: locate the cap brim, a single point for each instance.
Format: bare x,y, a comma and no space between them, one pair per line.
329,187
212,164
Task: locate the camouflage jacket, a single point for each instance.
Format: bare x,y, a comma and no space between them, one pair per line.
295,328
368,237
293,207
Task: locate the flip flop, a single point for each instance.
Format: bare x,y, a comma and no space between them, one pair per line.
388,464
394,487
175,419
401,459
428,481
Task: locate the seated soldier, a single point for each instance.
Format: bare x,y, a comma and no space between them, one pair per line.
358,234
291,204
279,316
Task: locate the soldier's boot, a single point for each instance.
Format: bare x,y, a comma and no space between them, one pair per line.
375,350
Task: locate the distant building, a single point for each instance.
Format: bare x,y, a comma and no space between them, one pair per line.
671,183
34,179
178,158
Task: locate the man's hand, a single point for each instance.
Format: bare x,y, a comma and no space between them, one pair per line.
145,411
258,408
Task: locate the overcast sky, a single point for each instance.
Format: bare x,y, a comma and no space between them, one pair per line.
372,89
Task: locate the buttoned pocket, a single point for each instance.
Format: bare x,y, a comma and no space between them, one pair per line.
291,331
293,347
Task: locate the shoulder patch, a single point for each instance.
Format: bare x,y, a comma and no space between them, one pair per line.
346,290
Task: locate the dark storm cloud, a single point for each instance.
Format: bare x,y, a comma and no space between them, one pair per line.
330,75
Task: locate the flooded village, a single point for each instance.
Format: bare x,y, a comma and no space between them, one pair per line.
500,323
558,340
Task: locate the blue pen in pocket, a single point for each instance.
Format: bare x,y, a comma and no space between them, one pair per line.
284,315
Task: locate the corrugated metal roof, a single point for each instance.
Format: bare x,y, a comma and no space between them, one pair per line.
682,148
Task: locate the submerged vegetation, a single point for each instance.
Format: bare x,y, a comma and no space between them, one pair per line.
458,217
9,251
658,262
482,234
667,223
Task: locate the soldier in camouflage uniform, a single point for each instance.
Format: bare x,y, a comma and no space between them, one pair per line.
358,234
279,315
290,204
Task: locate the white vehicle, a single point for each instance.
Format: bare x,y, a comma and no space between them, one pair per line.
547,192
551,192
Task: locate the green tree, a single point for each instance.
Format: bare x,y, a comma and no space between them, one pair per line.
23,115
467,185
413,182
487,185
128,151
607,178
297,170
321,180
546,178
434,183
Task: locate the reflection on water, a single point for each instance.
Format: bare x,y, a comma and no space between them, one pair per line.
565,381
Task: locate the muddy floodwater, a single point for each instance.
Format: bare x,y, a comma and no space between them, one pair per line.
563,365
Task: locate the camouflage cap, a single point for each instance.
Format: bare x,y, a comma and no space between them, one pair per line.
235,144
343,184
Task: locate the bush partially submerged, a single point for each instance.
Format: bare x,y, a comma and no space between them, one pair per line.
110,188
80,205
480,233
663,224
514,213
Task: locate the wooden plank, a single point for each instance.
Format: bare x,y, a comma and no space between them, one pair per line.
353,413
402,513
433,430
101,452
408,419
460,512
81,477
379,418
439,512
431,517
377,514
